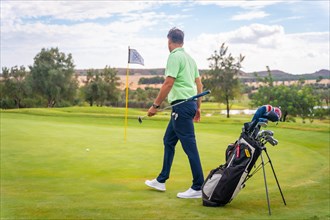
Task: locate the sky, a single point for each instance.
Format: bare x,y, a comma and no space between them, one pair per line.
292,36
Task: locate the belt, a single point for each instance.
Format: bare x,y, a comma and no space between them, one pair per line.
180,100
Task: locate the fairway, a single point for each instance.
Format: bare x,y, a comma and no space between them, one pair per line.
73,163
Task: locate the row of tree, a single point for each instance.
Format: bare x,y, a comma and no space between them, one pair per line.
51,82
300,100
296,100
152,80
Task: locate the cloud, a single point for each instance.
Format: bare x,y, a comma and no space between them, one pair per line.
286,19
249,15
99,33
92,43
251,5
72,10
258,34
265,45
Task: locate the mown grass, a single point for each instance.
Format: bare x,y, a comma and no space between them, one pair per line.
73,163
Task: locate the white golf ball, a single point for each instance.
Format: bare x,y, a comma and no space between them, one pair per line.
87,149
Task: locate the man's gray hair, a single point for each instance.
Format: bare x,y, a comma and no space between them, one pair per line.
176,35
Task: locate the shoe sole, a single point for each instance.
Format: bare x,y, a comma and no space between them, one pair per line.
190,197
158,189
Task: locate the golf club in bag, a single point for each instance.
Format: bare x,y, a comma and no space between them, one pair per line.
195,97
224,182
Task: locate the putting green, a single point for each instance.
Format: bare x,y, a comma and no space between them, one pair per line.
73,163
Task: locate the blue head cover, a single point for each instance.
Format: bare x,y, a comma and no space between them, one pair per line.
263,114
269,112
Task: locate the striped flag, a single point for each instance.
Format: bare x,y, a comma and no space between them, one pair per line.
135,57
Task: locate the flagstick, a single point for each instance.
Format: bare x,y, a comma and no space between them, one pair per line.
126,112
136,58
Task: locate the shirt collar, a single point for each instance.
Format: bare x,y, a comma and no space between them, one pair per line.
177,49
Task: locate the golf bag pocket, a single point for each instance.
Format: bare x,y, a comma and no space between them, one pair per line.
210,185
224,182
230,149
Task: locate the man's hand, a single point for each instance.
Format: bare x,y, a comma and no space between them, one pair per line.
197,117
164,90
152,111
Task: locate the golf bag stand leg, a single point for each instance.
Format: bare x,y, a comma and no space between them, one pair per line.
278,184
263,169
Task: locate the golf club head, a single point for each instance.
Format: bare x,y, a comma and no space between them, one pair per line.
262,124
260,135
268,133
140,119
264,133
271,140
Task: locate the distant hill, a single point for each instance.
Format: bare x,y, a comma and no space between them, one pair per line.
278,75
325,74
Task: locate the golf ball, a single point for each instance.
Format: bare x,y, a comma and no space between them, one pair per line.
87,149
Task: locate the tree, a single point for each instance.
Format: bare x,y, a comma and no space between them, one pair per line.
222,79
101,86
52,76
111,81
306,101
14,85
91,88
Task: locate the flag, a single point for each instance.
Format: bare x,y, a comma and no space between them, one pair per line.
135,57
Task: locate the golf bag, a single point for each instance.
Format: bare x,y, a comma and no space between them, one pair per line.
224,182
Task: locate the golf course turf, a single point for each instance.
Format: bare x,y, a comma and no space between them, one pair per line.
73,163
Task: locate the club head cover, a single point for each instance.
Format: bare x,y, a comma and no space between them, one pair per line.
274,115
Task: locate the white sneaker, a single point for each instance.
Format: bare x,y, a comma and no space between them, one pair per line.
190,194
155,185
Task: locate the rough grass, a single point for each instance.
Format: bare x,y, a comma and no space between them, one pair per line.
73,163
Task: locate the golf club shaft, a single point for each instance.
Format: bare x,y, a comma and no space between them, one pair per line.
189,99
186,100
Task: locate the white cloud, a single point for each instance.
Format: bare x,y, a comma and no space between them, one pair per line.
26,27
72,10
263,35
242,4
249,15
91,44
286,19
267,46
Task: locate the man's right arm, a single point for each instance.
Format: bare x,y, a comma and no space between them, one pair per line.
199,85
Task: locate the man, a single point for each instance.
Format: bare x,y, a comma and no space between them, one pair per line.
182,81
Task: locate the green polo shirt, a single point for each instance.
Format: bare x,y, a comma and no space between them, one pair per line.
184,69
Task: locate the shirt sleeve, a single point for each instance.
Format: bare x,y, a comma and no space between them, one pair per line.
196,72
172,66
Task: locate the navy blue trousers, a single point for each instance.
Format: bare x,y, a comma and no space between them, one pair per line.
181,127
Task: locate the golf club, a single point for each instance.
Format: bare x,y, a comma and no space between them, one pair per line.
262,124
264,139
271,140
263,134
186,100
255,131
